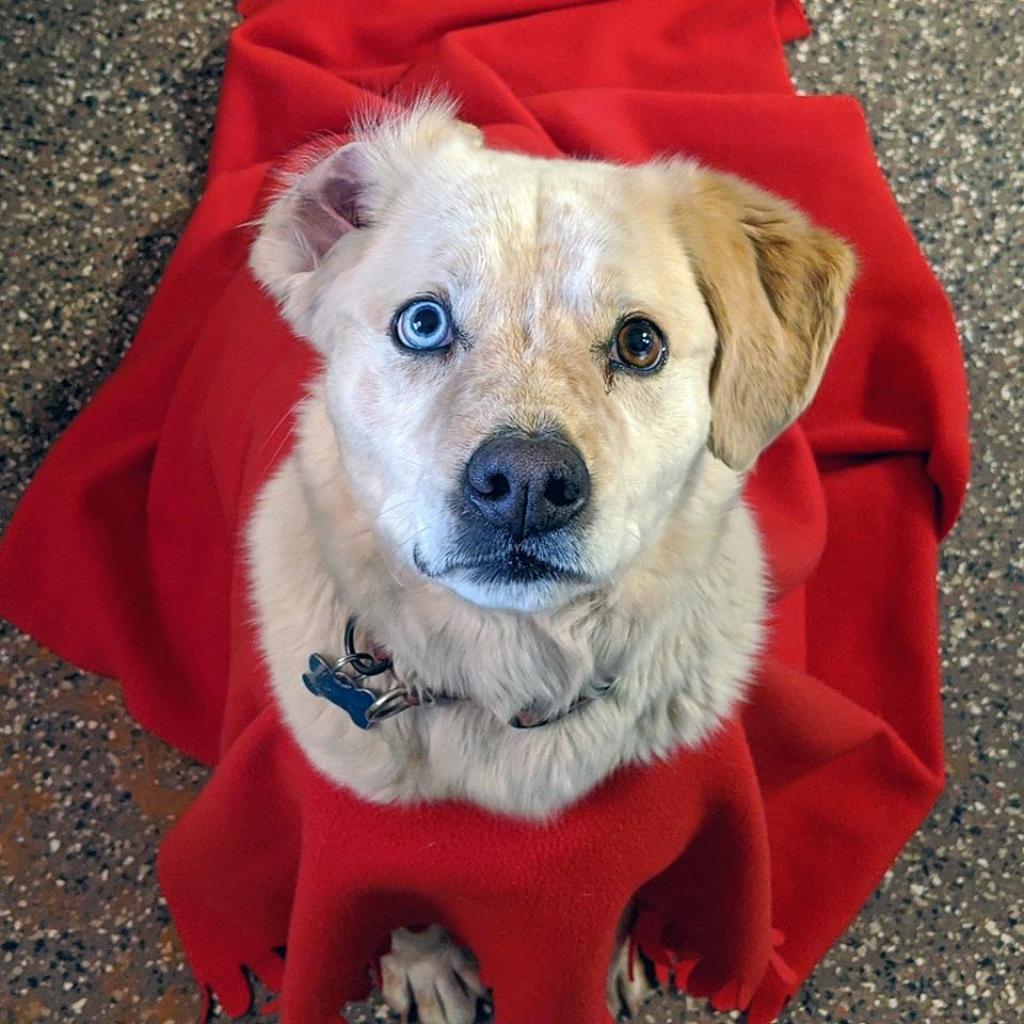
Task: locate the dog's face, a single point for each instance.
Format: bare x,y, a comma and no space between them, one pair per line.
528,359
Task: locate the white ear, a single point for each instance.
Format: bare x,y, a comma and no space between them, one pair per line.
318,206
343,190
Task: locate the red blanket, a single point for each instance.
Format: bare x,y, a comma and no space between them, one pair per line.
750,855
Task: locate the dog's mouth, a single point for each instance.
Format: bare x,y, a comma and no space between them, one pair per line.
512,565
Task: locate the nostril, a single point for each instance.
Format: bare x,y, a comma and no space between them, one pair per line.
496,487
560,491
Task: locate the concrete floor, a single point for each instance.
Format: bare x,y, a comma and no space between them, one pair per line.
107,109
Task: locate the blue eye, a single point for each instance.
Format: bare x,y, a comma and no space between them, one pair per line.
423,326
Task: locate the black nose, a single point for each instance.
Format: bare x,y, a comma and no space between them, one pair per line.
527,484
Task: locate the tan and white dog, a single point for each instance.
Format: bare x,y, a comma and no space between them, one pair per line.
522,465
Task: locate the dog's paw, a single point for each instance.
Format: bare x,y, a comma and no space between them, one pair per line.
631,982
426,977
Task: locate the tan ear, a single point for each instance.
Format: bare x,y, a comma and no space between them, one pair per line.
776,286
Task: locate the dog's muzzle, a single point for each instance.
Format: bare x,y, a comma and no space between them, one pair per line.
522,505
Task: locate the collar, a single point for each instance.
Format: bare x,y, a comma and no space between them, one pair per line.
342,682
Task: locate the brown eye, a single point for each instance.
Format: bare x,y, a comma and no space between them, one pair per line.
639,345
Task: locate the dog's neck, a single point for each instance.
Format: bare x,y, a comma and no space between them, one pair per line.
515,660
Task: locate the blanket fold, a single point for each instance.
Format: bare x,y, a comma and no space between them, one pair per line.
749,856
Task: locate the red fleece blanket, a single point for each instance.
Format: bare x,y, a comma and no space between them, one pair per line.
750,855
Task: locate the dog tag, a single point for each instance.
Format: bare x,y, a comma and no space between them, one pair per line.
322,680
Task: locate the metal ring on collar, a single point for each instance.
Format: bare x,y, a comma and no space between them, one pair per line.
355,661
388,704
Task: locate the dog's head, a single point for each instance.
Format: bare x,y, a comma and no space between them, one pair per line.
528,360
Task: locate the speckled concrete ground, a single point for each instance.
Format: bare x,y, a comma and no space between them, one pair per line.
107,108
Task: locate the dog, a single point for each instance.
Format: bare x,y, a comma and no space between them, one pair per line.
521,468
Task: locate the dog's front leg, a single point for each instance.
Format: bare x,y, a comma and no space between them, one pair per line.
428,973
631,976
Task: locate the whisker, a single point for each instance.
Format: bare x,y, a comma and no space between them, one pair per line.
277,426
388,509
412,462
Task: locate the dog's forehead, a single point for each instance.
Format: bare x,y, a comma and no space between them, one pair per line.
508,227
551,208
